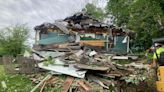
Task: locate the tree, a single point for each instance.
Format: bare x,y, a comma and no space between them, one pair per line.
12,40
145,17
118,8
95,12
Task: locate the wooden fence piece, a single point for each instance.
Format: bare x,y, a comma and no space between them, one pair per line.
27,65
8,64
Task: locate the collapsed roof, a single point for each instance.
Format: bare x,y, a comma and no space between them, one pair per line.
57,25
81,23
83,20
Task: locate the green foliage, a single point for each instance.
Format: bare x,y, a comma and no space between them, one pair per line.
119,9
12,40
141,16
97,13
48,61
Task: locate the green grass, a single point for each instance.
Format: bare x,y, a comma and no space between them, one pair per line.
21,83
15,83
1,71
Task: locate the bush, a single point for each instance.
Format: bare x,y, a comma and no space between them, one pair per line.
12,40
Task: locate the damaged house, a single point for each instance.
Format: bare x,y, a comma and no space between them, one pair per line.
81,28
59,50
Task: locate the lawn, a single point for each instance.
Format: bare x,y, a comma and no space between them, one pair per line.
15,83
22,83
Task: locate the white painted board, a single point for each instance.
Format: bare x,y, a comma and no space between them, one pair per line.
70,70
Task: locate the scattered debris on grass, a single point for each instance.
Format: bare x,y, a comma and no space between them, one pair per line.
84,63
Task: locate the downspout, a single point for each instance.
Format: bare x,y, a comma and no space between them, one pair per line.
107,42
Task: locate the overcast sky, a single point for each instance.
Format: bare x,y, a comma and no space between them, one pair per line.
35,12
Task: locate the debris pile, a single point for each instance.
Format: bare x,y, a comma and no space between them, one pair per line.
85,68
69,48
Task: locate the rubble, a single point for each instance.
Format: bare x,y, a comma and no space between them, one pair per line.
71,51
98,68
75,47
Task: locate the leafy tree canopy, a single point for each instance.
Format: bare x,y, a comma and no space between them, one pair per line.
12,40
96,12
145,17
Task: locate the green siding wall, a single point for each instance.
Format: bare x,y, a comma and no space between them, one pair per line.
52,38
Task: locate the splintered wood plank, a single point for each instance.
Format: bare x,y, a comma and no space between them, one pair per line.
97,80
84,85
42,88
67,83
91,67
52,80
